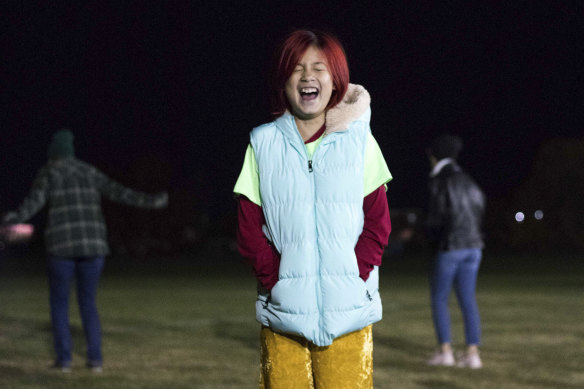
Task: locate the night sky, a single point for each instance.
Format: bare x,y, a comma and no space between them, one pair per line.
162,95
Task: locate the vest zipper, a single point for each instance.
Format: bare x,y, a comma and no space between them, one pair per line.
319,296
317,258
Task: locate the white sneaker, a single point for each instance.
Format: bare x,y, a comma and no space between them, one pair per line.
472,361
440,358
62,367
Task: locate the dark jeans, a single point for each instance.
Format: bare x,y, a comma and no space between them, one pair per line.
458,268
87,272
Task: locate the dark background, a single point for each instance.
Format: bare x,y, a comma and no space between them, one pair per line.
162,96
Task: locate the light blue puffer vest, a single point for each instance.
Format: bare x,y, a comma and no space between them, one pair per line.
314,216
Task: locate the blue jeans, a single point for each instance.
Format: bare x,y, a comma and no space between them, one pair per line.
458,268
87,272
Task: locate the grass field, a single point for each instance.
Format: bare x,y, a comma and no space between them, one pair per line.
174,325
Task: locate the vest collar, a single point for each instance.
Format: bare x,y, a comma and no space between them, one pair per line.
440,165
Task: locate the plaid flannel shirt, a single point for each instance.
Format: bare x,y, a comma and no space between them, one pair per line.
73,190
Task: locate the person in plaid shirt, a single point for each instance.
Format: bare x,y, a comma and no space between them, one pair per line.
75,238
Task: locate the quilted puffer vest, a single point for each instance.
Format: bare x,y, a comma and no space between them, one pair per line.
314,216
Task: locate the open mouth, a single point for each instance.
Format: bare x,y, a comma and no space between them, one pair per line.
308,93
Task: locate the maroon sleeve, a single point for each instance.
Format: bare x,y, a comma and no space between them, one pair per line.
253,244
376,229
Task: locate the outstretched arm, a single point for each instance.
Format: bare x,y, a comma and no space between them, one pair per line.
32,203
119,193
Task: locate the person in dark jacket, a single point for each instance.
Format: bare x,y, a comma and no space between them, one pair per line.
454,220
75,239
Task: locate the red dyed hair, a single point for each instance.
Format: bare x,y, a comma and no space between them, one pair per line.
290,53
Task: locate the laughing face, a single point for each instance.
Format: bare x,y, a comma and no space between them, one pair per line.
310,86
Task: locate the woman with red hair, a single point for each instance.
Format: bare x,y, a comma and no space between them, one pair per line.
313,221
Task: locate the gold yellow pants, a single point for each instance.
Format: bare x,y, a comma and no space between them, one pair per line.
290,362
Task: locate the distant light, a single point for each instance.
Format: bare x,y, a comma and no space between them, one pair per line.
519,217
538,214
412,217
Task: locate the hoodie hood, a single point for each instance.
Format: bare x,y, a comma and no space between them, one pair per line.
61,145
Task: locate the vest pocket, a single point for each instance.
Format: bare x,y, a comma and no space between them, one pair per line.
294,295
261,309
